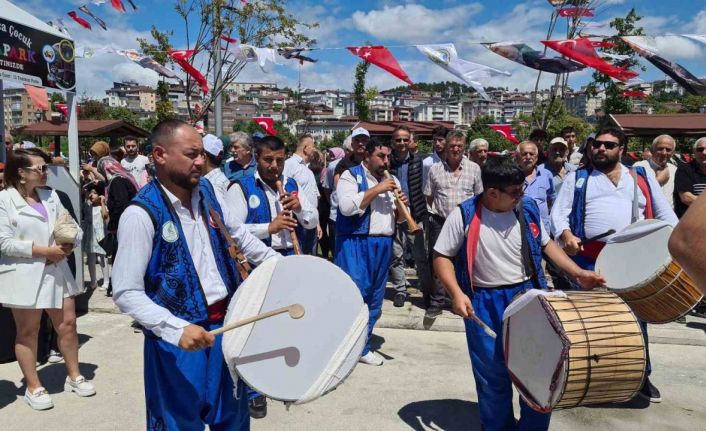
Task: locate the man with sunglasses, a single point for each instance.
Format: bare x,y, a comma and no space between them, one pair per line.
601,197
690,179
407,167
483,279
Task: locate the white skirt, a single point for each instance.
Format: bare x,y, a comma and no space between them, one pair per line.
51,293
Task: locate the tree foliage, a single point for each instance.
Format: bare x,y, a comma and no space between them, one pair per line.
479,129
265,23
615,103
362,109
158,51
283,131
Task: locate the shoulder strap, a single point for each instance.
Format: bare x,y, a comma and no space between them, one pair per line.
527,260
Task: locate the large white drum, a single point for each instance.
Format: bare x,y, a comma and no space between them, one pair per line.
638,267
290,360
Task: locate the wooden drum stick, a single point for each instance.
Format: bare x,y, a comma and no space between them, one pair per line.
414,229
295,240
296,311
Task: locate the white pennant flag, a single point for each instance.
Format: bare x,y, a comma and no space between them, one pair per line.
445,56
697,37
264,57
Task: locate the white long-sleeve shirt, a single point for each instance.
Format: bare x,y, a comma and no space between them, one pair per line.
135,234
382,208
238,205
295,167
607,206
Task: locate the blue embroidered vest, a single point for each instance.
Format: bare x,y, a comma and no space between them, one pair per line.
171,279
577,217
356,224
531,217
256,198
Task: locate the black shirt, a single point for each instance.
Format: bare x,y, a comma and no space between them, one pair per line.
120,193
689,178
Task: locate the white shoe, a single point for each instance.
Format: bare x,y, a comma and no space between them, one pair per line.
371,358
81,386
54,357
39,399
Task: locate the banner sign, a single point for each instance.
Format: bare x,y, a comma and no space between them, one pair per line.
33,57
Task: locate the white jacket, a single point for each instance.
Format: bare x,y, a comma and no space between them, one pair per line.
21,226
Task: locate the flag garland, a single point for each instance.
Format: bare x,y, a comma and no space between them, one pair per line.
82,22
181,57
382,58
582,51
100,22
526,56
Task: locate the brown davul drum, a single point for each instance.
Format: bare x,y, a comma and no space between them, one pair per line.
638,267
570,349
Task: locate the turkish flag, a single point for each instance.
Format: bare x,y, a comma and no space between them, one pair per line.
118,5
78,19
267,124
64,108
39,97
506,131
635,94
582,51
575,12
382,58
181,57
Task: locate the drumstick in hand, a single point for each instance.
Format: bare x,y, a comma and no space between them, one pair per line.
296,311
485,327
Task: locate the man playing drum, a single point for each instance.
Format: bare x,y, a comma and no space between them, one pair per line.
365,226
489,250
601,197
174,276
256,201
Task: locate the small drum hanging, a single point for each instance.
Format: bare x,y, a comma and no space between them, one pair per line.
570,349
296,361
638,267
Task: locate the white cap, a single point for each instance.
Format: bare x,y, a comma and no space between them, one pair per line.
359,131
28,144
559,141
212,145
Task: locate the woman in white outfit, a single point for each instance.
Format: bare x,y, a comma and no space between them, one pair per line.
34,274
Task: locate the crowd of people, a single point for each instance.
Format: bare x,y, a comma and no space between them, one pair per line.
492,225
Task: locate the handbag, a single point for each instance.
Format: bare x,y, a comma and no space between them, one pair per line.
109,243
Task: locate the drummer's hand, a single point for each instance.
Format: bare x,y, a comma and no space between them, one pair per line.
461,306
572,244
291,202
195,337
281,222
589,279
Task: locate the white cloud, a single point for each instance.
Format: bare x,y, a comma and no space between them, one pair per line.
414,23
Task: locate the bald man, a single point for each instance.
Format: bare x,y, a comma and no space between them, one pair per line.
173,275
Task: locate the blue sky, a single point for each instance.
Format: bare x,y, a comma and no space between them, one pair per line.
344,23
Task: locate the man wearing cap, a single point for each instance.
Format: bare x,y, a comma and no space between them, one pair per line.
213,147
557,162
296,167
242,163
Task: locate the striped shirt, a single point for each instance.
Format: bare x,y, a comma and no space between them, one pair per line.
448,190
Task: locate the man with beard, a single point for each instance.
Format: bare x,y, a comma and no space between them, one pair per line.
135,163
173,274
601,197
365,227
658,164
478,151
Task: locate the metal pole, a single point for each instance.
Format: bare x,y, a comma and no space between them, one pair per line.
218,105
3,156
72,132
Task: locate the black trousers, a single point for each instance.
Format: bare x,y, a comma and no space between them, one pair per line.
436,295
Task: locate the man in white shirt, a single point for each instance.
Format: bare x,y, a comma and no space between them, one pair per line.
213,148
365,226
296,167
255,200
602,197
509,239
135,163
438,137
662,150
173,274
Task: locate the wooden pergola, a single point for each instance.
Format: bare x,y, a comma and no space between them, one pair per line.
651,125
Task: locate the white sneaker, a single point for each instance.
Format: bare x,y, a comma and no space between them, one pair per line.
39,399
81,386
371,358
103,288
54,357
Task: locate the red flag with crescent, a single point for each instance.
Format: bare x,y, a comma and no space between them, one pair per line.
382,58
506,131
267,124
181,57
582,51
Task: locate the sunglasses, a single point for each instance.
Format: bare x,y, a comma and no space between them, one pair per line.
38,169
402,139
607,144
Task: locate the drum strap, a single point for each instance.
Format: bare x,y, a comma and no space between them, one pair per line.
240,260
527,261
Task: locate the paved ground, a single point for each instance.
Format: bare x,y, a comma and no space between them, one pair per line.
426,384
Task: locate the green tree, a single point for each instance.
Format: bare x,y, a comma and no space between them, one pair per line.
265,23
334,141
615,103
362,108
159,52
479,129
92,110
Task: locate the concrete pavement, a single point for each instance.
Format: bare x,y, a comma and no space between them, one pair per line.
425,384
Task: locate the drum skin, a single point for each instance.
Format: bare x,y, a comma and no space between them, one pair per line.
641,271
601,356
296,360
